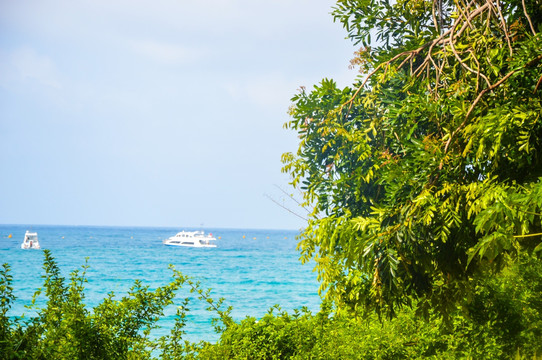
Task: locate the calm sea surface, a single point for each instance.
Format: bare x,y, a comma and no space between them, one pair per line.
252,269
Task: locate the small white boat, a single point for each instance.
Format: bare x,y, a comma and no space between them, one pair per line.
191,239
30,241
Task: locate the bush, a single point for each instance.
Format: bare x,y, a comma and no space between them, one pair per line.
66,329
502,321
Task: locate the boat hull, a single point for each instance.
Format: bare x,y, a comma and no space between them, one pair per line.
197,239
192,245
33,246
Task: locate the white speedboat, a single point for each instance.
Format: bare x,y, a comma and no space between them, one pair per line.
191,239
30,241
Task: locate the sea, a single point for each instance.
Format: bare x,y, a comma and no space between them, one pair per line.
253,270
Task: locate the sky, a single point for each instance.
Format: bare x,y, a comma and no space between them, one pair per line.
157,113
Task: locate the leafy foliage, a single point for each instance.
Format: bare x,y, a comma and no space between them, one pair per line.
427,172
66,329
503,320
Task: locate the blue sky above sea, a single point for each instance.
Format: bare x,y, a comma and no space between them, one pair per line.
163,113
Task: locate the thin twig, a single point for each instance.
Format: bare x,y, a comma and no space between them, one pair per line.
504,28
285,208
537,85
434,15
473,105
451,41
531,63
471,16
528,17
478,74
527,235
406,53
487,90
292,198
404,61
463,13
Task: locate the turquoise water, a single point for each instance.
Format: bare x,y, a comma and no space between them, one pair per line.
252,273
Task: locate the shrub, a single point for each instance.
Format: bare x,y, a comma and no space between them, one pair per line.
502,321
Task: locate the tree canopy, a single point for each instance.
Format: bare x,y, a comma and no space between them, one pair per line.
427,171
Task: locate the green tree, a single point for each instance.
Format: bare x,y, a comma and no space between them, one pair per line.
426,172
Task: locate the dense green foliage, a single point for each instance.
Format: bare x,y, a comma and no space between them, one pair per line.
426,174
503,321
66,329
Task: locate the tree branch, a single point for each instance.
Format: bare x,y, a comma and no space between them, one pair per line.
528,17
473,105
504,29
